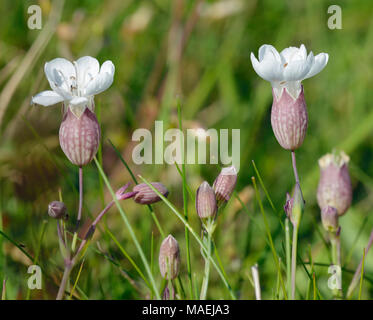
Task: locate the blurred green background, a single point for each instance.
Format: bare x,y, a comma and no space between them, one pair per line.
198,51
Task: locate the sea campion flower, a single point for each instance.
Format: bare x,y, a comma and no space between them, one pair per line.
143,194
169,258
75,84
285,71
334,187
205,201
224,185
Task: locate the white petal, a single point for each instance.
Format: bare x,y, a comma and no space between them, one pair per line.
293,88
269,68
266,50
320,62
87,69
288,53
47,98
103,80
297,69
78,100
61,75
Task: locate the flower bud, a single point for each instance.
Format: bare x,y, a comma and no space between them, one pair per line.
169,258
289,119
329,218
146,195
224,185
57,210
80,136
205,201
294,205
334,187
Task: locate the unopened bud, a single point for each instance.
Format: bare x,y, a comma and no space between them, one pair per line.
146,195
57,210
169,258
224,185
334,187
205,201
329,218
289,119
294,206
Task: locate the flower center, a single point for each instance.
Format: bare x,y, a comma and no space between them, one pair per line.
74,87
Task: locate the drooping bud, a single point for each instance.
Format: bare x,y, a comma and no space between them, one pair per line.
169,258
205,201
146,195
329,218
57,210
334,187
80,136
224,185
289,119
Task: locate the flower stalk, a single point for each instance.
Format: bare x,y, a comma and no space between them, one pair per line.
208,230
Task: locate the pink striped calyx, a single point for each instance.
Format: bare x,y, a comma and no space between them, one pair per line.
80,136
289,119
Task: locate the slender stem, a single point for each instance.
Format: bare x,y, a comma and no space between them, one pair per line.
361,276
80,195
59,232
130,229
295,232
194,234
205,282
294,260
65,279
288,256
336,259
355,279
185,203
294,163
80,208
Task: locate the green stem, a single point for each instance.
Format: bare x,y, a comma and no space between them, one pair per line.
65,280
194,234
205,282
185,204
80,208
131,231
294,260
288,256
336,259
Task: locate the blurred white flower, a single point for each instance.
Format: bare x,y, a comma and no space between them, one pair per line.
221,9
288,68
75,83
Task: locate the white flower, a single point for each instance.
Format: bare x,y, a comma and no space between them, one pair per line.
75,83
288,68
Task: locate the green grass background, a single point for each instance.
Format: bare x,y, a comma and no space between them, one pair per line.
164,49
